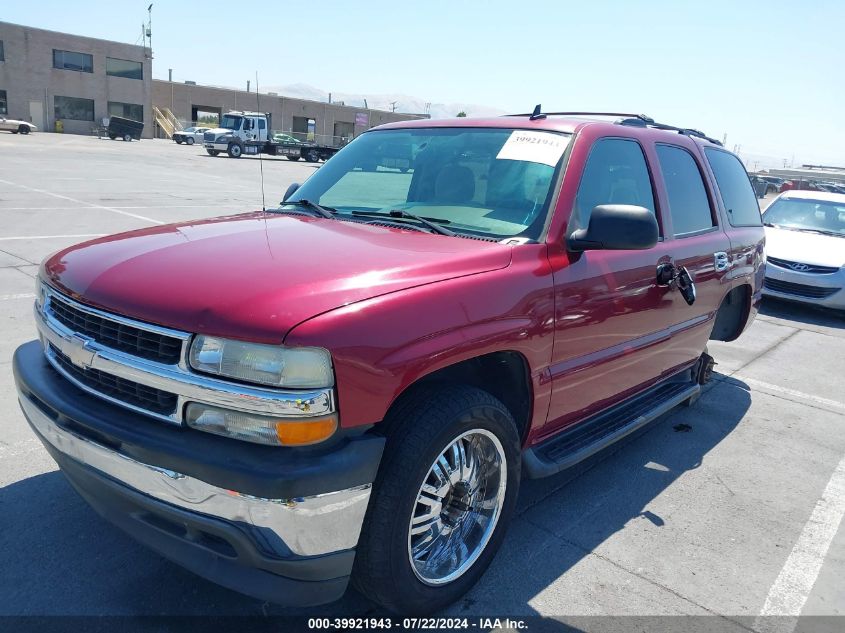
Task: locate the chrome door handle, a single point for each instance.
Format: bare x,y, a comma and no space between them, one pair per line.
721,261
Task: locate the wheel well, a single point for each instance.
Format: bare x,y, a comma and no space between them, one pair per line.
504,375
731,316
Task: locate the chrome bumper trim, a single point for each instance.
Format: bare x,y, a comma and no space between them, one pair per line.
176,379
305,526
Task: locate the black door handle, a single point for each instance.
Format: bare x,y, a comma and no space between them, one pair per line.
668,274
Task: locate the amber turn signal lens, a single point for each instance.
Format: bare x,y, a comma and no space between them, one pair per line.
302,432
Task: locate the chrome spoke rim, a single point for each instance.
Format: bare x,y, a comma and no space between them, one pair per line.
457,507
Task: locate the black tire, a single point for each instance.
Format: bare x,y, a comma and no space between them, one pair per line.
23,129
112,135
189,140
178,141
127,138
293,157
312,156
419,427
212,152
235,150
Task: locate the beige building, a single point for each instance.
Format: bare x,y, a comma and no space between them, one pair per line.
46,77
328,123
57,80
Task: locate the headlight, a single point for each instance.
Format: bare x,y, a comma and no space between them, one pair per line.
258,428
273,365
222,139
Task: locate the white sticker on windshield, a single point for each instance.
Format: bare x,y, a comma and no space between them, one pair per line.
535,147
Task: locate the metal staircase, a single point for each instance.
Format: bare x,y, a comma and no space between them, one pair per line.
166,120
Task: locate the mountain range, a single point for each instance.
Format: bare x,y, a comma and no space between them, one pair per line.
403,103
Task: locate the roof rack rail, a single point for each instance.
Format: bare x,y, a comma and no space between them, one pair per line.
635,120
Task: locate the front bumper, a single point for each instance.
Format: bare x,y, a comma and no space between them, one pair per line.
168,488
825,290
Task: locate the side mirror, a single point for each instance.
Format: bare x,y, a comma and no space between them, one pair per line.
616,227
290,191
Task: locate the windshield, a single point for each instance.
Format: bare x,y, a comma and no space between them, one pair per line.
802,214
231,122
489,182
191,129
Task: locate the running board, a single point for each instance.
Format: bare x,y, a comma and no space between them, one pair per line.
597,433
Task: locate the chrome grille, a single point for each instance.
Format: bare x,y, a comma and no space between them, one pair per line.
116,335
208,137
801,267
799,290
126,391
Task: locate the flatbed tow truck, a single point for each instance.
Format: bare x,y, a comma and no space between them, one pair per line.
248,133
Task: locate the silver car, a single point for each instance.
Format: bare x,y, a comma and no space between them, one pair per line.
805,248
15,125
189,135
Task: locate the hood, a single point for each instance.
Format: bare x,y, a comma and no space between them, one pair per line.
808,248
256,276
218,131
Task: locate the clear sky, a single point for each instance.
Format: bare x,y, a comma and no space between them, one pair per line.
769,74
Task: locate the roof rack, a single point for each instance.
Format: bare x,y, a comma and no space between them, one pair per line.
635,120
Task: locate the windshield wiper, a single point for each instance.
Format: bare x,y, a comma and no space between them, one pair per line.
822,232
324,212
399,213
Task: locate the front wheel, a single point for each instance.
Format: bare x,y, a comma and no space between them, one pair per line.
442,501
24,129
212,152
127,138
235,150
189,141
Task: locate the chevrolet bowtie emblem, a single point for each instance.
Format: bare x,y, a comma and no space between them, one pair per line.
77,350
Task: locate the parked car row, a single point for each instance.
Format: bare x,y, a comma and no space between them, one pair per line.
764,184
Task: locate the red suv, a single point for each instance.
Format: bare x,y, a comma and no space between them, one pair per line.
352,385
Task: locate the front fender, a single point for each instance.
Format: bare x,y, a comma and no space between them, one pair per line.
383,345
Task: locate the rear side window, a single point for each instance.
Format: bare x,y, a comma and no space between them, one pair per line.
735,188
688,201
615,173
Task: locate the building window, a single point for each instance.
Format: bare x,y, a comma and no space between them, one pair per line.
124,68
73,108
68,60
4,109
126,110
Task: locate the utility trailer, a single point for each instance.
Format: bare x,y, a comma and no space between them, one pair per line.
247,133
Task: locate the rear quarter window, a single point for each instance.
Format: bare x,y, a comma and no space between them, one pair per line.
734,188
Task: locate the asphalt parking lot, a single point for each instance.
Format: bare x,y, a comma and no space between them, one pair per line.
729,508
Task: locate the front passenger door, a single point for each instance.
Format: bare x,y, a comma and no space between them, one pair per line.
612,320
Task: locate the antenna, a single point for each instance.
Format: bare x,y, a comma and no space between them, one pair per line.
267,131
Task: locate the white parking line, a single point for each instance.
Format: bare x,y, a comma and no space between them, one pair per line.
795,581
50,237
90,205
23,295
775,389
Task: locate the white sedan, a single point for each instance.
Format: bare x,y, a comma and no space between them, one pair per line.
190,135
14,126
805,248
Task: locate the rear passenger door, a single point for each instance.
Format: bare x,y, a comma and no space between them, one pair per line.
695,241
